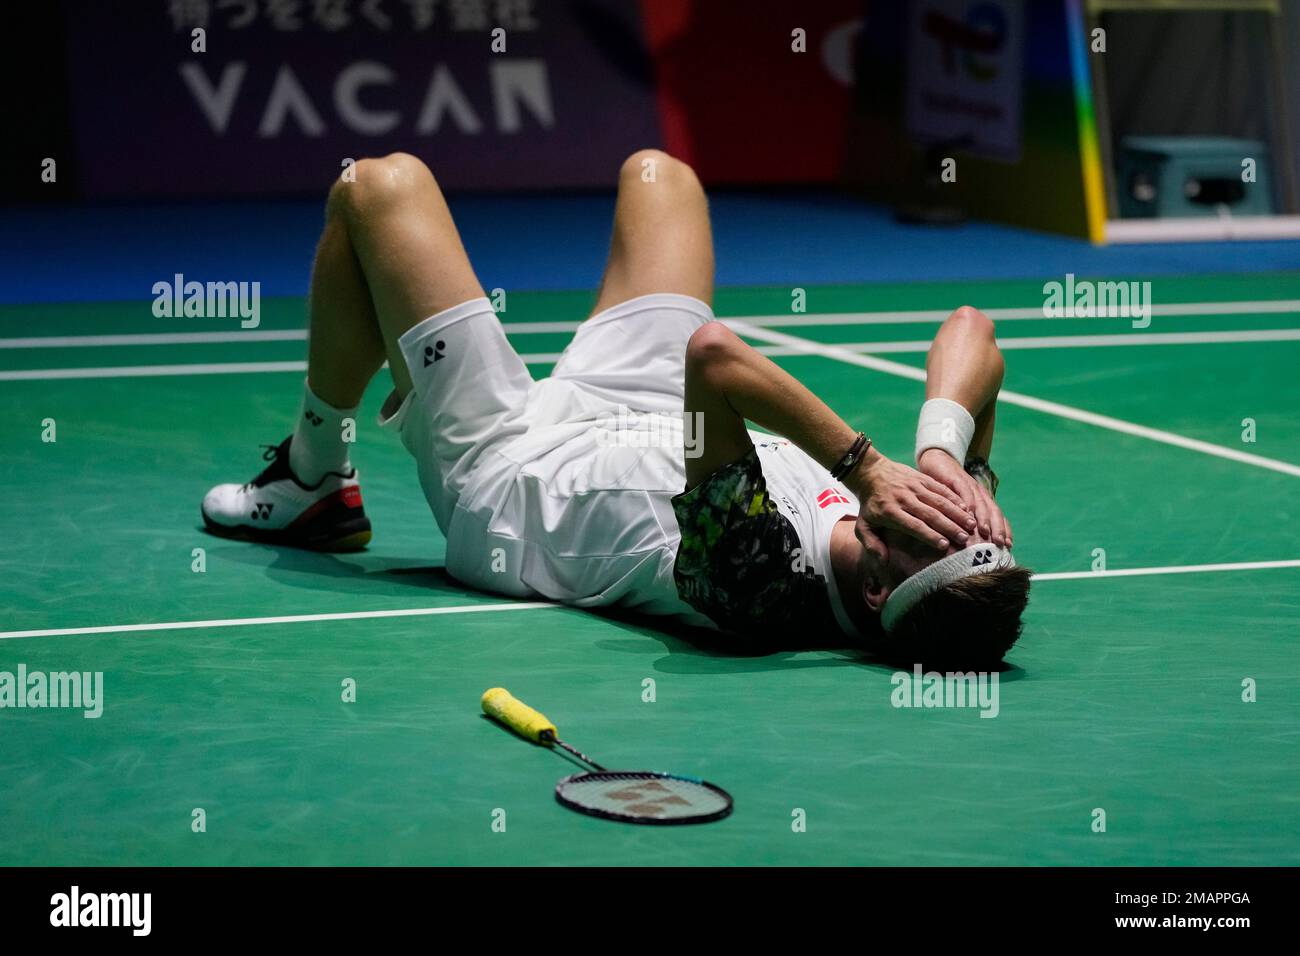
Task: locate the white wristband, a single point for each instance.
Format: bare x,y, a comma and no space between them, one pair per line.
944,424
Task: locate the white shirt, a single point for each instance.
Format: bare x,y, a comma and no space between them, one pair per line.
582,514
805,494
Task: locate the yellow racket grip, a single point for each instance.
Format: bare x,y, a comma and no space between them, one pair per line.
515,714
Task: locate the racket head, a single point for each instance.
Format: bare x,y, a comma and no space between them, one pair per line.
643,796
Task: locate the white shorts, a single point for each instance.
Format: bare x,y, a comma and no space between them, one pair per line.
480,428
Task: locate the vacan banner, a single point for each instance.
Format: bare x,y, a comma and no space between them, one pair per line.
174,98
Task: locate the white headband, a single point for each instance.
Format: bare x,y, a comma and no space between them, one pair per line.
976,559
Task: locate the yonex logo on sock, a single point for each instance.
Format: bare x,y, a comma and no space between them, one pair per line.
313,417
434,353
982,556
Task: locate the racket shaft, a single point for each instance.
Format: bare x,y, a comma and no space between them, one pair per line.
580,755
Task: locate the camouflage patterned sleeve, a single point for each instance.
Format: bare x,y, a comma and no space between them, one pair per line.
739,561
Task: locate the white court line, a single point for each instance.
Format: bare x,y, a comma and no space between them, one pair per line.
195,368
148,371
1260,307
1171,569
287,619
222,337
849,357
784,345
540,605
1147,338
1069,341
921,316
537,358
154,338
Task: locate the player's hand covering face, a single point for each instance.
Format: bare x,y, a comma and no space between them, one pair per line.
896,496
991,523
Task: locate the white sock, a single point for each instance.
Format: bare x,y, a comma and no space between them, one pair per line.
318,446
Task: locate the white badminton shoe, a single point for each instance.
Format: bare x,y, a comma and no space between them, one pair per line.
277,508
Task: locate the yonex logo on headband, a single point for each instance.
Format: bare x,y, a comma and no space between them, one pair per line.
976,559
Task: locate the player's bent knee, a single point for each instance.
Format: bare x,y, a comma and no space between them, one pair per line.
375,183
405,169
645,163
656,166
970,321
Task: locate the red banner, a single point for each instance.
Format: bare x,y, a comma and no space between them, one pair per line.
743,97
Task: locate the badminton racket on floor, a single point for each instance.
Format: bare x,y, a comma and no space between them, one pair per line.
631,796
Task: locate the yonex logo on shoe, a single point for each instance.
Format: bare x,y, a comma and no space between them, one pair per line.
313,417
434,353
262,510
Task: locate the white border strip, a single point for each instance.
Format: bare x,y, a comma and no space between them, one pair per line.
1202,228
541,605
841,354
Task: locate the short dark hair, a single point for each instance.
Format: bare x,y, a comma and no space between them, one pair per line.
969,624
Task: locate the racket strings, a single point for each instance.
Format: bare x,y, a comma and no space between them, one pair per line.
644,797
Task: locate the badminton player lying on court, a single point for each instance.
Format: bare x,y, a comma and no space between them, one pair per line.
543,489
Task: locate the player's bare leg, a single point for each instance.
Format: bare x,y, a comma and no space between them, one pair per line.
389,257
661,241
407,245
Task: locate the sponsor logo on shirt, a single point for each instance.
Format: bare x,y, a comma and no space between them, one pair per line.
830,497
